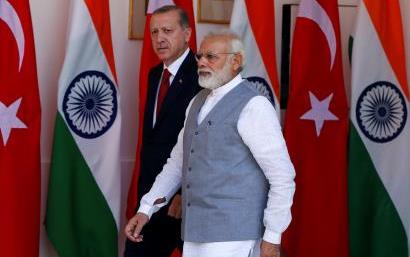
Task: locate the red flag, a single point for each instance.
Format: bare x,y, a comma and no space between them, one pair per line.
316,127
149,60
19,133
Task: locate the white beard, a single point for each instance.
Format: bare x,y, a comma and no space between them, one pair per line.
215,79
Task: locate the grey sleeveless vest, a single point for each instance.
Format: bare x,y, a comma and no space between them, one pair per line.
224,191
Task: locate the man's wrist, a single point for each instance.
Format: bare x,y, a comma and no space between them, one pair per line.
146,209
272,237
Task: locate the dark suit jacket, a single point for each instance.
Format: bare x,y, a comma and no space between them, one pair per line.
159,140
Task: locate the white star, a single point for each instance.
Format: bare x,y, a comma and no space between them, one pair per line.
9,120
319,112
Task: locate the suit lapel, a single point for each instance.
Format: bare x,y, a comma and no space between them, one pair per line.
151,96
180,79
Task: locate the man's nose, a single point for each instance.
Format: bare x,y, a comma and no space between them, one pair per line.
201,61
159,38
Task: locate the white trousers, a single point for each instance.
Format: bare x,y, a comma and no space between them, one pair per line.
249,248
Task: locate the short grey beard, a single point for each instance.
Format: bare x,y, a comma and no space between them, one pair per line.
217,78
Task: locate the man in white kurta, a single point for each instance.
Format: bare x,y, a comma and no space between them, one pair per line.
220,59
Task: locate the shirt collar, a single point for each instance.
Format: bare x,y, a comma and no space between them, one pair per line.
174,67
224,89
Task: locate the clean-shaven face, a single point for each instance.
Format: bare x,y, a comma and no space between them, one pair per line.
169,38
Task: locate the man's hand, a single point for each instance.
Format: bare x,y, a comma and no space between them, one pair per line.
269,250
134,227
174,209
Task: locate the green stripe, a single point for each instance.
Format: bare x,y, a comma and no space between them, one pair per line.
79,222
375,227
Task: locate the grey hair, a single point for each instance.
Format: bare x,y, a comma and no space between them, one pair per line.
183,16
236,45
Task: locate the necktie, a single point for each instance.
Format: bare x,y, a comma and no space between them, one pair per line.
163,88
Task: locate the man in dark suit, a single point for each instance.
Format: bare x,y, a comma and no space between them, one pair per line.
172,84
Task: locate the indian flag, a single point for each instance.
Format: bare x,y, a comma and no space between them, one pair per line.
379,163
254,22
83,205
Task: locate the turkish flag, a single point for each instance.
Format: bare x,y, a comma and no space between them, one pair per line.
148,60
316,129
19,133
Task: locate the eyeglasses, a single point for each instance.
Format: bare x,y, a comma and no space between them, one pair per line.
210,57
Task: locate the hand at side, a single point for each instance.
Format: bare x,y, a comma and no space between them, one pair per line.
134,227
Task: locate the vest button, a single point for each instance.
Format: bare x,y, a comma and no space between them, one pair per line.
196,133
188,204
188,186
209,122
189,169
192,150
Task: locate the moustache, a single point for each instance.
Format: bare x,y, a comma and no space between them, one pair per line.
204,72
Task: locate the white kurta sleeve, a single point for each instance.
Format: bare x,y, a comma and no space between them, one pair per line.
260,130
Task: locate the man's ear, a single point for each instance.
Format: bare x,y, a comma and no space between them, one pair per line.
237,62
187,33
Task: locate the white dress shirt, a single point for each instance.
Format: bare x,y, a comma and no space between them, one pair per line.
173,69
268,149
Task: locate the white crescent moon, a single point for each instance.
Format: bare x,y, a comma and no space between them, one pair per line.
310,9
155,4
9,15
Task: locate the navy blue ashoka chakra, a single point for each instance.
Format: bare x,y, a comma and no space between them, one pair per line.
381,112
90,104
262,86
